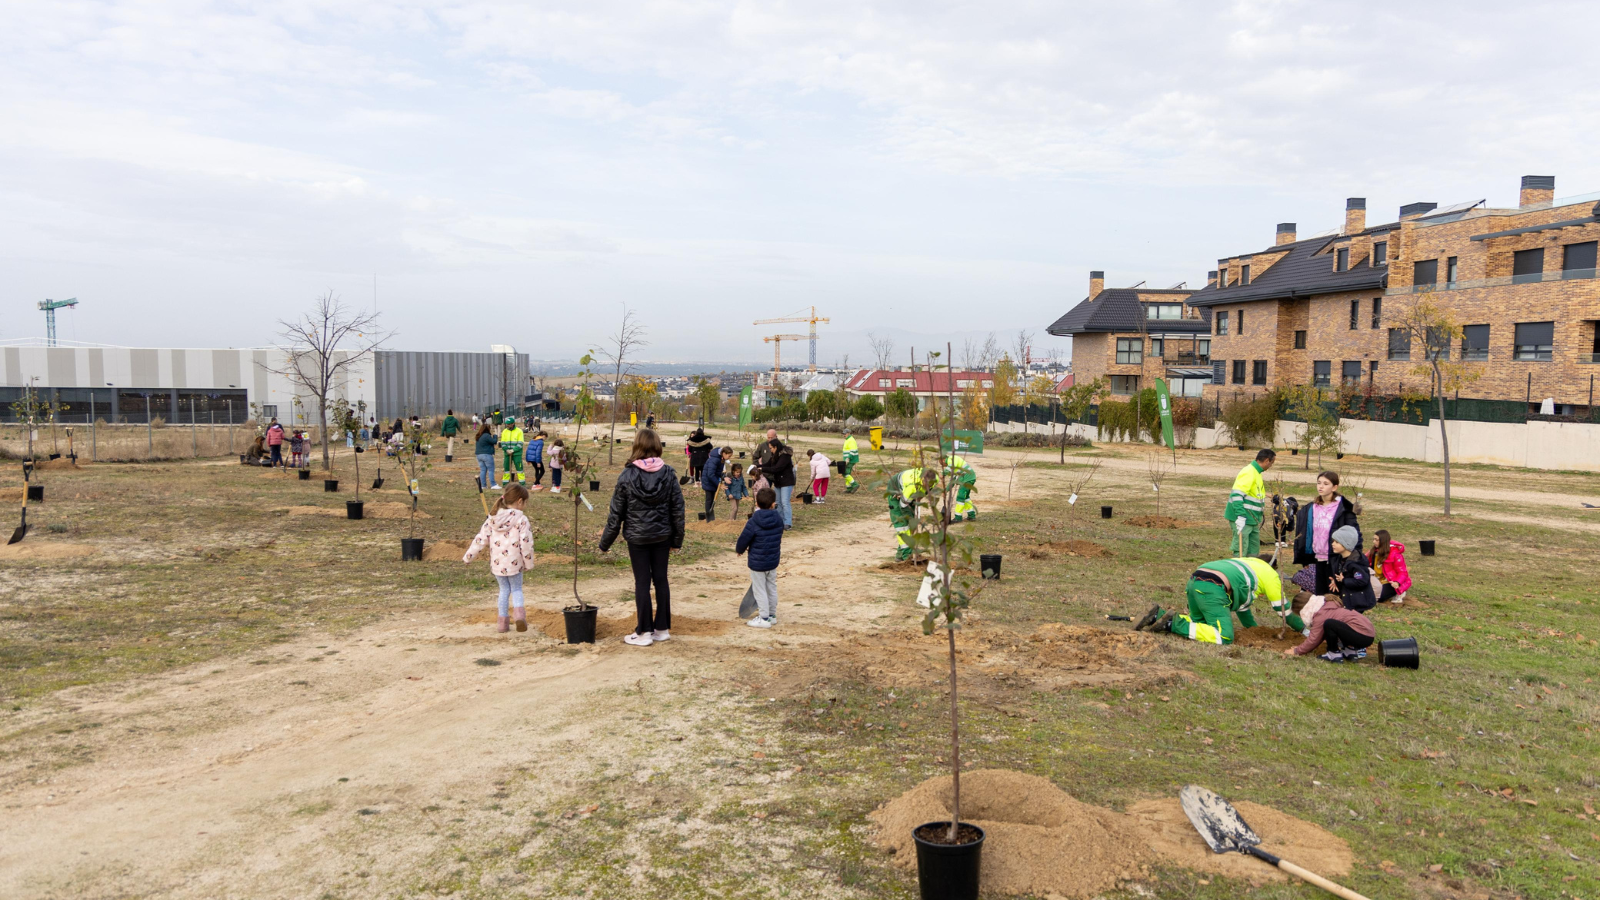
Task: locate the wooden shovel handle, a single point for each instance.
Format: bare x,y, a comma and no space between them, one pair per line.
1304,875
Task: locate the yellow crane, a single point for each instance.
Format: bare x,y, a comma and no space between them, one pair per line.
813,319
776,341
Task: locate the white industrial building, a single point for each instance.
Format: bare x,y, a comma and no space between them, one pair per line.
176,384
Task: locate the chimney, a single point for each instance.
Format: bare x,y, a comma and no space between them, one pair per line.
1355,215
1537,189
1285,233
1211,278
1097,283
1413,210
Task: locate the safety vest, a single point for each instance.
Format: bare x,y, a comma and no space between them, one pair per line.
1248,497
850,451
511,439
964,473
1246,579
907,485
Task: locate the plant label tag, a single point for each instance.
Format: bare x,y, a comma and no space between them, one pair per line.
414,489
1073,500
1155,487
586,502
33,435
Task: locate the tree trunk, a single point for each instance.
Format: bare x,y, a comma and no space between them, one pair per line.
322,415
616,397
1444,435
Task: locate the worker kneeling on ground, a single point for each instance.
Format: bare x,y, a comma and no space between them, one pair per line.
1217,592
906,489
966,479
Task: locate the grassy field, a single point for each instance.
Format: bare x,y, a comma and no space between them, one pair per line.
751,773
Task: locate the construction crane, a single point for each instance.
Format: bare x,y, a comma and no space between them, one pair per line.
777,344
813,319
50,307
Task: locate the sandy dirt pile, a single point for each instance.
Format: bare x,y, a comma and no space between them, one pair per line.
369,510
1267,636
720,526
993,663
1040,840
30,548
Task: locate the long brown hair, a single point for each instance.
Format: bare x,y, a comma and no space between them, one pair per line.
515,493
1380,550
483,429
1333,477
646,444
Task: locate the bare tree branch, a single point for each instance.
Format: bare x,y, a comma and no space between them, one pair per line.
321,346
882,349
629,336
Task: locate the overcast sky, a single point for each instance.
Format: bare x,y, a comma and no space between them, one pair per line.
514,172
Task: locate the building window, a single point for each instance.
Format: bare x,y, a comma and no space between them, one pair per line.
1452,271
1124,385
1219,371
1321,373
1355,314
269,411
963,383
1534,340
1350,371
988,383
1527,266
1163,310
1222,322
1222,277
1578,260
1238,371
883,382
1202,349
1341,259
1372,370
1399,343
1239,324
905,382
1258,372
1425,274
1299,340
1130,351
1244,274
1475,342
1377,312
1380,253
1158,348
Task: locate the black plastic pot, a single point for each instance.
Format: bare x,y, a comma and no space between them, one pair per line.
1338,456
701,516
741,454
1427,547
1294,451
449,458
948,871
594,485
355,509
242,459
580,623
305,474
1105,512
35,493
843,466
805,496
1400,653
55,456
411,549
989,565
330,485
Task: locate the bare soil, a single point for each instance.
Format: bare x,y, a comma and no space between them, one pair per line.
1164,522
378,510
31,547
1267,636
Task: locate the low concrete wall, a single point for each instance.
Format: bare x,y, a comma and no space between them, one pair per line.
1533,445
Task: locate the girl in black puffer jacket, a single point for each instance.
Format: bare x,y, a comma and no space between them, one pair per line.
647,508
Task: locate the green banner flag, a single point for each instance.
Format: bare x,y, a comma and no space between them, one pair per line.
1165,402
965,442
745,412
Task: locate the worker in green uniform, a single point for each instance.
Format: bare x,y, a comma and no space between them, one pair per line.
966,479
1247,504
1218,591
906,489
449,429
851,457
511,444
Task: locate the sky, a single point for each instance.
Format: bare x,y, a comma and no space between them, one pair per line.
517,172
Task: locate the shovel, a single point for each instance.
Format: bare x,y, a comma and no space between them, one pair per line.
1225,831
747,606
481,500
22,530
377,482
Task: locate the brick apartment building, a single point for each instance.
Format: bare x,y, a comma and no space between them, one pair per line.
1132,336
1521,281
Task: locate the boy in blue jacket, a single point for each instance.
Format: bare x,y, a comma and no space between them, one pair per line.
763,537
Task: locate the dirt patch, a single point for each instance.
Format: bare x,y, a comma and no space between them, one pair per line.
1267,636
1007,504
370,510
62,463
1042,841
34,549
1039,840
1164,522
720,526
1079,548
994,664
918,566
1173,839
553,624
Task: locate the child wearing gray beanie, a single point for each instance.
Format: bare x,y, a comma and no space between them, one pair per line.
1352,578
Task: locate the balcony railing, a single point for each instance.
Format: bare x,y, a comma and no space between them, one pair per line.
1501,281
1589,359
1185,358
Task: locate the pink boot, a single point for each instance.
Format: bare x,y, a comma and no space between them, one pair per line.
521,618
505,624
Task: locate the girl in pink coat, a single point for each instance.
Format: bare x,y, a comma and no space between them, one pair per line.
509,537
1388,561
819,475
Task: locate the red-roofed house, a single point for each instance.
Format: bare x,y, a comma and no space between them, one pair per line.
921,383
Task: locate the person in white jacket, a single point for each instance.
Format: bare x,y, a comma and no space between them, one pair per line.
819,475
509,536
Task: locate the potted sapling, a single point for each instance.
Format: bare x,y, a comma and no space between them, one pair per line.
580,618
412,457
345,419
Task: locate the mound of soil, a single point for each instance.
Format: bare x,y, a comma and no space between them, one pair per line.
994,664
370,510
553,624
1042,841
1079,548
1267,636
62,463
1163,522
720,526
1039,840
30,548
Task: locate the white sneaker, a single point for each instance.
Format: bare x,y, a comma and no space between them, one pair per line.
661,635
638,640
762,622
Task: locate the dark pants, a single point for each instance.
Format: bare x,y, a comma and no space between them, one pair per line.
1324,577
694,472
1389,593
1342,637
555,477
711,504
538,472
650,567
277,454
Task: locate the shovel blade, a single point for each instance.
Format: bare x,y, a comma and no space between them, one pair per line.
377,483
1219,824
17,535
747,606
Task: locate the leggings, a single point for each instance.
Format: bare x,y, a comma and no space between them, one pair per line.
510,589
1342,637
819,488
555,476
1389,593
538,472
650,567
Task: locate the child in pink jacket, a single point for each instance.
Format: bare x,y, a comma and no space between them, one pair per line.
1388,561
820,470
509,537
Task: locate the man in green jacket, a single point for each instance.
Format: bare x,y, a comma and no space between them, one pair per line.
449,430
1247,504
1218,591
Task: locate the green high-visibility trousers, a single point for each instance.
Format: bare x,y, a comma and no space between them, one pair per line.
1252,540
1210,620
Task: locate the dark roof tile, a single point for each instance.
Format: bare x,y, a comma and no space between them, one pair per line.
1118,310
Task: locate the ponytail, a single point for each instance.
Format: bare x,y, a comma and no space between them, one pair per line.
515,493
